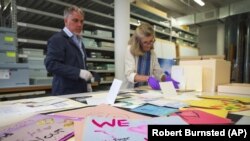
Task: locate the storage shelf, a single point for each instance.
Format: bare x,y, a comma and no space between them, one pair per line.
31,41
101,48
177,28
145,13
98,37
37,21
100,60
31,33
162,32
103,71
188,40
106,82
56,7
145,19
33,16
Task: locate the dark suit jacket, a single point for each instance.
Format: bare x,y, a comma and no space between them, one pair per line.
64,60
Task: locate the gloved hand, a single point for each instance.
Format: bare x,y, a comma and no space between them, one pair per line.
175,83
154,83
84,74
89,87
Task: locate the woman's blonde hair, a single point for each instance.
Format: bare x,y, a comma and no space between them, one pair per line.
144,30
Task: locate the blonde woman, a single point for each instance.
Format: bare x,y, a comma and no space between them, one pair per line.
140,59
141,63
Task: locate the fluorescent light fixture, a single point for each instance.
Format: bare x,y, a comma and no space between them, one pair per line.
200,2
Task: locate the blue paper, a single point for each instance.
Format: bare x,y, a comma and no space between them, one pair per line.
154,110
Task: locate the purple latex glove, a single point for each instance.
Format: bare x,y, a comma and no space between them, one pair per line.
175,83
154,83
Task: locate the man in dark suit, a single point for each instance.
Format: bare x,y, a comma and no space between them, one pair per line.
66,56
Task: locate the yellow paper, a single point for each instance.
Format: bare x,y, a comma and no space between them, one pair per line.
10,54
218,104
233,98
8,39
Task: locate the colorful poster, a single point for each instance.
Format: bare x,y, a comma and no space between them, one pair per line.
100,111
40,128
122,129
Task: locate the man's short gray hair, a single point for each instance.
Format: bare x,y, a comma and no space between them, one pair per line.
69,10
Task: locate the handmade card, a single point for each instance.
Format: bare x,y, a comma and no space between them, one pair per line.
39,128
154,110
123,129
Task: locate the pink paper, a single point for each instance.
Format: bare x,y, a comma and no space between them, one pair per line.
200,117
101,111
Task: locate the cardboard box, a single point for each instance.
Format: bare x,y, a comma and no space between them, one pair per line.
214,72
150,9
188,58
203,57
235,88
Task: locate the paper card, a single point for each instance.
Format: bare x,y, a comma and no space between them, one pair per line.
169,103
96,101
189,77
122,128
176,104
168,88
39,127
245,100
101,111
81,99
177,73
220,113
154,110
4,74
218,104
200,117
128,105
114,90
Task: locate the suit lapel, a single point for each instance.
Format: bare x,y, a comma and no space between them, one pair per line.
79,54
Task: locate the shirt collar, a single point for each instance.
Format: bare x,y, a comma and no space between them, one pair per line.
69,33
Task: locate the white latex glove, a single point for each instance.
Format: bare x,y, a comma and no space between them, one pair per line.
89,88
84,74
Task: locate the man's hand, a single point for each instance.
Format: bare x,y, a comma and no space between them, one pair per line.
84,74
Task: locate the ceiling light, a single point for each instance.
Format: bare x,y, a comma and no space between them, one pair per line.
200,2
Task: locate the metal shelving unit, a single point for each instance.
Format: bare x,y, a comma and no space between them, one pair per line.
162,25
189,37
36,21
